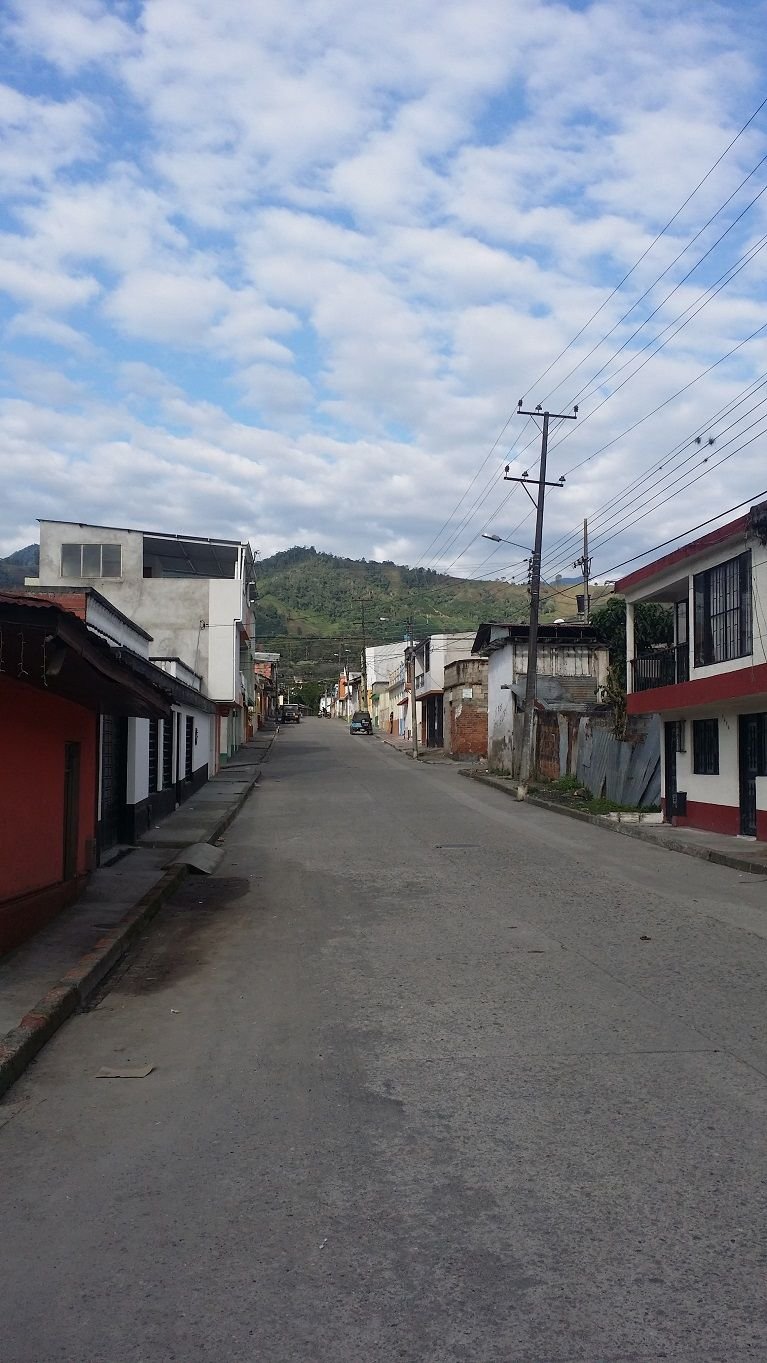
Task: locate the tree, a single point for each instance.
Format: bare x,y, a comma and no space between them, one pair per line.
653,624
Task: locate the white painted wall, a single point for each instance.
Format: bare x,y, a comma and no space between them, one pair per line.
225,608
100,618
500,709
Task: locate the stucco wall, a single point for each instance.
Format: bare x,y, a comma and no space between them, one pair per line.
34,727
225,606
500,709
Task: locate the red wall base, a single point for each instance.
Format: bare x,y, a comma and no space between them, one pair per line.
21,918
712,818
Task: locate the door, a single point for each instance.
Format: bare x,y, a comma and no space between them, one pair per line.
752,755
114,779
670,733
71,808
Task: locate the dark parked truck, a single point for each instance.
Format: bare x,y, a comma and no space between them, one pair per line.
361,723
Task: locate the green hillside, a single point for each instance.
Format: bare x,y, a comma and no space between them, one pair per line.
16,567
305,594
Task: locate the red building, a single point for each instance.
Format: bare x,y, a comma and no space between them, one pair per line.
710,685
56,679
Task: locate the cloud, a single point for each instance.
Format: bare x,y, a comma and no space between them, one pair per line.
300,263
81,33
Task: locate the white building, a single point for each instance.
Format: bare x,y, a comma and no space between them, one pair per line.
572,664
194,596
380,661
432,656
710,685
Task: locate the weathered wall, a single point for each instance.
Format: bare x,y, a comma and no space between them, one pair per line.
627,771
465,708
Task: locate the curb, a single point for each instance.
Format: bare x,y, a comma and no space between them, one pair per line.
756,868
20,1046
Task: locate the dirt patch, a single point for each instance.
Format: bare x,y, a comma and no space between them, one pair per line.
182,939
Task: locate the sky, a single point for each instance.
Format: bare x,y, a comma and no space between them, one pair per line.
283,271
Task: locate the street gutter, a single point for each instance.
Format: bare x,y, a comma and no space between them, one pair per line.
628,830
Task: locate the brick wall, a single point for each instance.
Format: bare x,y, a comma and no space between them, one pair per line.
465,717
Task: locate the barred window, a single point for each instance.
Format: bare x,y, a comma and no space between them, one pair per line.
723,611
705,747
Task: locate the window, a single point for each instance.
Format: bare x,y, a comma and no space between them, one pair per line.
705,747
679,734
723,611
154,752
167,753
91,560
189,746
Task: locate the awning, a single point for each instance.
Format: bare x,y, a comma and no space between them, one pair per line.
48,647
404,700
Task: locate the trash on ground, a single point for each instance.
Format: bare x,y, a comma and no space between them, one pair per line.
199,856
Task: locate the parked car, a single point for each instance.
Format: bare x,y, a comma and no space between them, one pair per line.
291,714
361,723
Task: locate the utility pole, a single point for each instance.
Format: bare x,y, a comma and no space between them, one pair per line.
525,757
584,563
413,711
364,704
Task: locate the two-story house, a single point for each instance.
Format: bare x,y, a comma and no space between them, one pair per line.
432,656
194,596
710,685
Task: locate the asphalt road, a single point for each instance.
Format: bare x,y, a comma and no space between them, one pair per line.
437,1077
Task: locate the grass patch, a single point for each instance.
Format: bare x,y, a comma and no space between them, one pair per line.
568,791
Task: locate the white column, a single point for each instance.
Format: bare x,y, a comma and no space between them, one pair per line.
629,645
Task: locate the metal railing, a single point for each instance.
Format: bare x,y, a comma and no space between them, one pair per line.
661,667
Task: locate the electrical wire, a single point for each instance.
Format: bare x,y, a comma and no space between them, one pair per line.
617,508
594,315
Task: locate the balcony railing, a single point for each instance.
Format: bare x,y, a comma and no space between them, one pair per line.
661,667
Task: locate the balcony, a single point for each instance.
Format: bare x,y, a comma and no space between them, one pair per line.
661,667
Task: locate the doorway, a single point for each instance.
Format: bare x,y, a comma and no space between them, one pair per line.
114,780
752,762
71,809
670,743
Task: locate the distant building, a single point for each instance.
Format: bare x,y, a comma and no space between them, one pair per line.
194,596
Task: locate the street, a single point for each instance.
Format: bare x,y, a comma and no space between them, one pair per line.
437,1077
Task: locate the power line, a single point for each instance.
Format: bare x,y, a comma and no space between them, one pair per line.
662,275
594,315
652,245
617,508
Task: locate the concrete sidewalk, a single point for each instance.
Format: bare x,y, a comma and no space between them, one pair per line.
49,977
740,854
405,745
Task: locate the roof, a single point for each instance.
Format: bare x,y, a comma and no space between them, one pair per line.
733,530
178,691
151,534
564,635
53,650
53,593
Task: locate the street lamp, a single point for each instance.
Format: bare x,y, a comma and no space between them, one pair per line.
498,539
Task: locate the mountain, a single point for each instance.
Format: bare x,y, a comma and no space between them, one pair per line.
303,593
16,567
